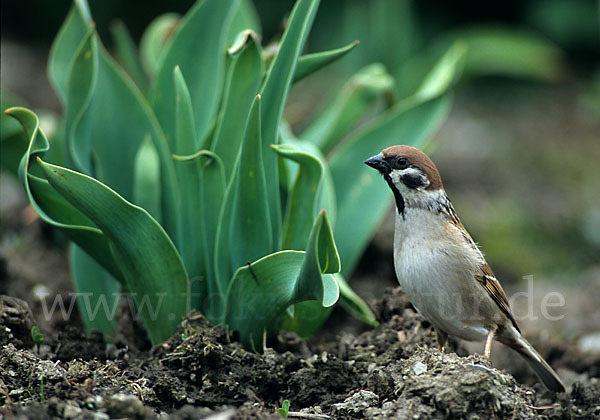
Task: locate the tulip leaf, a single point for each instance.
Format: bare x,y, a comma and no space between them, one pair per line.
117,137
13,142
305,318
345,111
310,63
146,184
80,94
303,198
245,17
155,42
498,50
212,194
143,251
51,207
274,92
119,118
97,292
65,46
445,73
273,283
244,75
189,176
244,228
353,303
206,24
127,55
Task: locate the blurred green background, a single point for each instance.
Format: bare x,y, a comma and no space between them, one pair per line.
520,152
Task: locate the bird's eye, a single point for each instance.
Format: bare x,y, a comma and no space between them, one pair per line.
402,163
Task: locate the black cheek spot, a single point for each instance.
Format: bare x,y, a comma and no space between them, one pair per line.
413,181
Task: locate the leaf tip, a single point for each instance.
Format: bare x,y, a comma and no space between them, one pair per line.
10,110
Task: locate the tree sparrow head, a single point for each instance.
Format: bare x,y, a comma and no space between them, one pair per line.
410,173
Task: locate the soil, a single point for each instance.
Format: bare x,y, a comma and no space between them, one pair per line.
346,372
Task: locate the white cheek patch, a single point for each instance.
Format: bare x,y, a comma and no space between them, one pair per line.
397,174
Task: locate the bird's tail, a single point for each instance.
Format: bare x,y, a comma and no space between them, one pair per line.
542,369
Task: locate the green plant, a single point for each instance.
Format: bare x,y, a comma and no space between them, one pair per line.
284,409
190,191
37,337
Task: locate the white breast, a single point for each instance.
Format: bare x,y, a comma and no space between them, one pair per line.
435,266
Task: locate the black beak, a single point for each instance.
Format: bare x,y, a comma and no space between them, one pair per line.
379,163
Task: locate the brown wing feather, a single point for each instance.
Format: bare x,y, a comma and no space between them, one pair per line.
489,282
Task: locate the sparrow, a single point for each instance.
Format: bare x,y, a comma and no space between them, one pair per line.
439,266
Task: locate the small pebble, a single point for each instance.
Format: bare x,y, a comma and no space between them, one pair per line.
419,368
590,343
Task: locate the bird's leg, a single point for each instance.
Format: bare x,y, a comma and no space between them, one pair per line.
488,343
441,339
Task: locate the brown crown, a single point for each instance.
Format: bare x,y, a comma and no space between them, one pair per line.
418,159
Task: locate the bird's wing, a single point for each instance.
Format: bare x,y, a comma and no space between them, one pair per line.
485,276
491,285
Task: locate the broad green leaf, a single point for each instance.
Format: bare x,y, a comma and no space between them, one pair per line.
289,171
127,55
10,126
120,120
51,207
305,318
13,141
270,285
97,292
81,87
345,111
303,198
310,63
185,128
189,177
65,46
363,198
197,47
244,75
321,257
12,148
146,179
211,193
142,249
155,42
274,92
510,52
244,228
445,73
245,17
353,303
386,30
